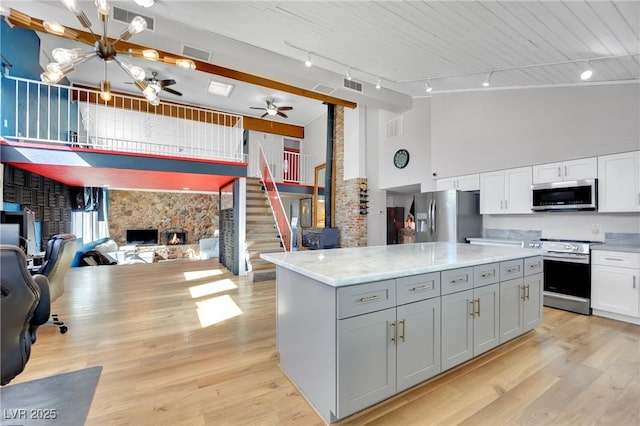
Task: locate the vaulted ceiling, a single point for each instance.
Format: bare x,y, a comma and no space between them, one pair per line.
405,44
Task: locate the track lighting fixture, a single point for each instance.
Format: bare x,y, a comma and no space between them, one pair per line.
378,83
487,81
587,73
348,73
428,87
307,63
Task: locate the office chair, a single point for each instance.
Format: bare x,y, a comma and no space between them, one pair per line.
25,306
58,256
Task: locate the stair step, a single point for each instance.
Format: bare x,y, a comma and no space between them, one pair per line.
263,275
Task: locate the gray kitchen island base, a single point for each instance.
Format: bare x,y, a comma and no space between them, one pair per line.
349,346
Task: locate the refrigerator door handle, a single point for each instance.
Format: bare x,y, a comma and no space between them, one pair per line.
431,202
433,220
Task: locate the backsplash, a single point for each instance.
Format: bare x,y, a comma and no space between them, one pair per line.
511,234
622,239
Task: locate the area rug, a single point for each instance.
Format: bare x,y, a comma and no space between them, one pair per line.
63,399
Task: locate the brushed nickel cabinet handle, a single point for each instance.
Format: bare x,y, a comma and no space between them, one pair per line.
559,172
370,298
395,333
528,288
422,288
617,259
478,311
506,204
487,275
524,293
404,330
501,204
634,281
566,173
473,308
510,270
458,280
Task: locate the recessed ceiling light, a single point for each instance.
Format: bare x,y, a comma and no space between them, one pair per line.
220,89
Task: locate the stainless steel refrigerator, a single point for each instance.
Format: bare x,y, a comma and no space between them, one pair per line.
449,216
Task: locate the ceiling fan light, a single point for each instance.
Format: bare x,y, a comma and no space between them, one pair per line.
53,27
149,92
187,64
272,111
145,3
155,101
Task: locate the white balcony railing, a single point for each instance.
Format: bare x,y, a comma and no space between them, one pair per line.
37,112
285,166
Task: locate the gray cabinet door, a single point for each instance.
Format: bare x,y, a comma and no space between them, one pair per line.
486,323
534,285
457,328
366,360
511,309
418,352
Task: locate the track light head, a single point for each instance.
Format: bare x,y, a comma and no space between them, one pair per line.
428,87
378,83
348,74
487,81
307,63
587,73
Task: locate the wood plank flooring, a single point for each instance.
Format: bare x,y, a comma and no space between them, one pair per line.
167,362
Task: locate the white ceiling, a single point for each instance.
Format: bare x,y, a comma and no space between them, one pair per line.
404,43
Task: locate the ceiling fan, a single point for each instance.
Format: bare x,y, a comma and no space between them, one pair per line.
159,85
273,109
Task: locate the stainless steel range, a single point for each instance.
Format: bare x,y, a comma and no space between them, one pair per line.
567,274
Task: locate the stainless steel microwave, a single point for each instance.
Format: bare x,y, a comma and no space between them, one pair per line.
562,196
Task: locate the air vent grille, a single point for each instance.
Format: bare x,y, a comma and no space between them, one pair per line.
327,90
125,16
352,85
195,53
394,127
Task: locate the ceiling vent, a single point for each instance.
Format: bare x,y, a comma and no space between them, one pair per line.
195,53
327,90
394,127
125,16
356,86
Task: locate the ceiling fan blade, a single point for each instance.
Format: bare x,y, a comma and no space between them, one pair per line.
175,92
264,115
167,82
286,108
257,108
282,114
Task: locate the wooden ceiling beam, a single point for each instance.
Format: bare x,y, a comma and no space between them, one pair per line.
35,24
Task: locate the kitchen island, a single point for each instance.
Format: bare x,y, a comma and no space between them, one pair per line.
357,325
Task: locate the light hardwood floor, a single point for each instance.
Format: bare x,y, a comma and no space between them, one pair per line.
161,366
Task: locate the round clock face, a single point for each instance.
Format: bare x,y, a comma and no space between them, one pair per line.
401,158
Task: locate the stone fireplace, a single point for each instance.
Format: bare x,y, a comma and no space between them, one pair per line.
174,237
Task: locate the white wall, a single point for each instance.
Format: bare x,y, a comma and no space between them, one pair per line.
490,130
315,140
354,142
376,220
415,138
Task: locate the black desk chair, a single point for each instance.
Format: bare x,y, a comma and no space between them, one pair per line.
59,254
25,305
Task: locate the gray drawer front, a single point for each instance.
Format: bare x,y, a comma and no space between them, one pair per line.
455,280
486,274
533,265
511,269
363,298
418,287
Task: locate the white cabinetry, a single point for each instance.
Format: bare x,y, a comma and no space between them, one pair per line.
584,168
619,182
614,285
506,191
462,183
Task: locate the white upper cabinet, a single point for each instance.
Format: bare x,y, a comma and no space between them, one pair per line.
461,183
619,182
506,191
584,168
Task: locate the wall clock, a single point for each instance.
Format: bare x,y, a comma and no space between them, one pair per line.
401,158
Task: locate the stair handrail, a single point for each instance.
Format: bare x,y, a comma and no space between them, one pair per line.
275,202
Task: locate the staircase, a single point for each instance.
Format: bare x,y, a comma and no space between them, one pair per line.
262,234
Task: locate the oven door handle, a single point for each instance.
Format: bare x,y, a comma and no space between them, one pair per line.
583,260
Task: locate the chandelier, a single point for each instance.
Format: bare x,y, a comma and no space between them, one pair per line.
104,48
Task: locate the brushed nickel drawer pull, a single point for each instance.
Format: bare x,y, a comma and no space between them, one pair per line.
510,270
614,258
478,300
634,281
459,280
473,308
524,292
422,288
404,330
370,298
487,275
528,288
534,265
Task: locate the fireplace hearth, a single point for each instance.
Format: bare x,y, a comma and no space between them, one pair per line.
175,238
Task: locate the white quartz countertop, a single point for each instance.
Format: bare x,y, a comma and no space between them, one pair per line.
347,266
616,247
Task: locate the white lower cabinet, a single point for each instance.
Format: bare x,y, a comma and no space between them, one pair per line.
385,352
615,285
470,324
